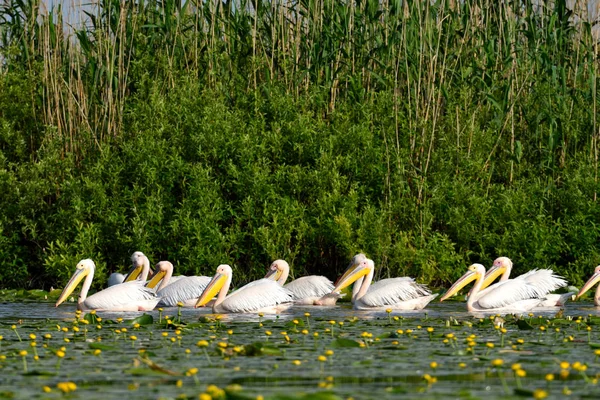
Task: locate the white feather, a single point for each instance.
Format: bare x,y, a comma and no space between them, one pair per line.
122,296
184,288
256,295
393,290
309,286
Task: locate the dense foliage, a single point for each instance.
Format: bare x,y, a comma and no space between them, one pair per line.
429,136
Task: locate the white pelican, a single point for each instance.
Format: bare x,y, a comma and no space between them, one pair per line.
395,293
127,296
542,278
590,284
186,289
306,290
263,295
512,294
140,267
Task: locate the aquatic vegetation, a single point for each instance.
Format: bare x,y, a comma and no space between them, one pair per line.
232,357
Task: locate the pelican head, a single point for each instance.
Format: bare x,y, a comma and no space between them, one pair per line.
356,260
138,260
474,272
161,269
277,268
354,272
214,286
83,269
590,283
501,265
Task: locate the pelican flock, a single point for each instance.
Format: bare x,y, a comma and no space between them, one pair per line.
263,295
511,294
273,295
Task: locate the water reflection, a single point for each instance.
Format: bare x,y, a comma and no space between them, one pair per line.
457,310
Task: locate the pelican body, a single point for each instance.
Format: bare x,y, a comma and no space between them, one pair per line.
511,294
541,278
263,295
393,293
186,289
594,279
127,296
306,290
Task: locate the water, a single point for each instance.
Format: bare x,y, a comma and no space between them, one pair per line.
374,355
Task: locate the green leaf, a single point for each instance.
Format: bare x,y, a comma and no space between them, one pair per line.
145,319
524,325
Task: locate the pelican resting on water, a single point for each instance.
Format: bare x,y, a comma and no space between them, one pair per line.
512,294
127,296
186,289
263,295
590,284
395,293
306,290
541,278
115,278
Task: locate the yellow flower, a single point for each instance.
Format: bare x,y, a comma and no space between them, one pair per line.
328,352
307,314
540,394
23,353
515,366
490,345
215,391
202,343
389,310
191,372
46,389
268,333
97,352
433,365
179,383
430,329
32,336
462,365
222,345
549,377
305,331
497,362
564,373
133,337
204,396
521,373
322,358
60,353
165,334
66,387
296,362
564,365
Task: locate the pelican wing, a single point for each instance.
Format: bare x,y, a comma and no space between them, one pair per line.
392,291
256,295
309,286
504,294
116,296
184,288
544,279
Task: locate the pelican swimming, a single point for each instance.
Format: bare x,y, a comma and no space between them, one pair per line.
512,294
306,290
595,278
392,293
542,278
127,296
186,289
263,295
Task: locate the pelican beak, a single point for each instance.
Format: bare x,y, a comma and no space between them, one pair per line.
73,282
211,289
351,275
133,273
464,280
273,274
589,284
156,279
348,271
491,275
